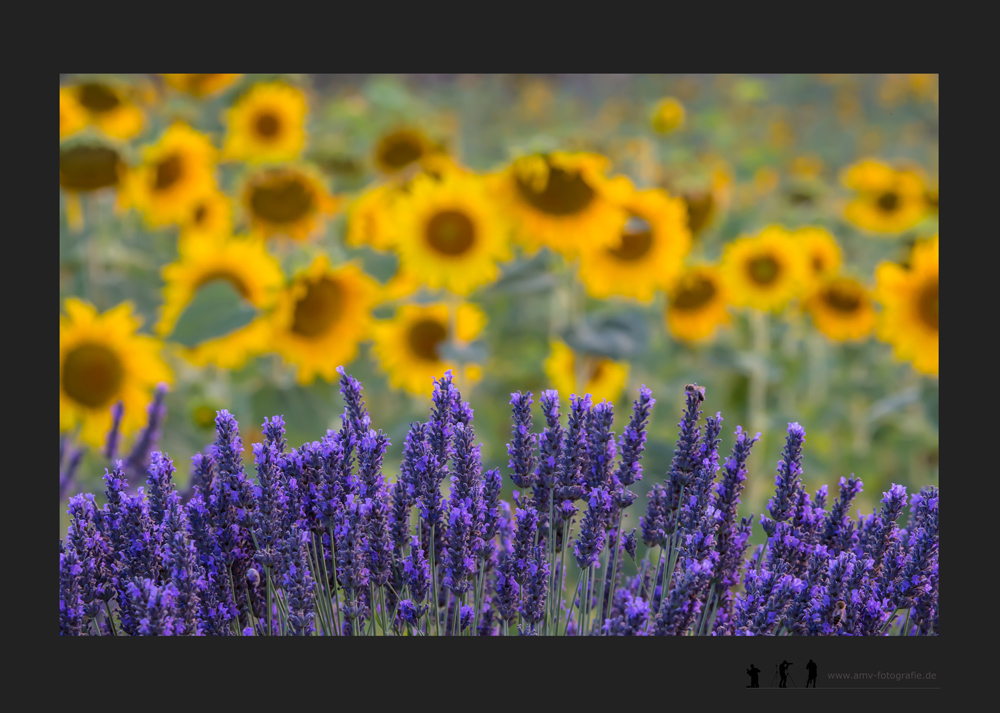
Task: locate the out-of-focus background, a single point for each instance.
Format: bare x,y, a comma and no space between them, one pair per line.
772,238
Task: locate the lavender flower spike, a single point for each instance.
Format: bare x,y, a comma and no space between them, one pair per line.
789,470
521,448
135,464
111,445
633,441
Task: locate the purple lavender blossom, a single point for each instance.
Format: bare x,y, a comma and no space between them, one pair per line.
274,433
375,505
408,613
459,561
202,474
442,421
70,597
506,600
524,539
601,449
417,571
271,500
299,584
135,463
653,523
114,434
550,448
535,587
682,605
160,483
67,475
574,458
356,421
590,542
85,538
633,440
154,608
521,449
180,562
726,500
789,469
839,531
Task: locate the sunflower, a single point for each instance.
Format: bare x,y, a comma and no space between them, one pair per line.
842,309
246,265
562,200
176,172
603,378
108,108
706,204
403,148
267,124
200,85
650,252
86,167
807,166
931,198
449,233
765,271
287,201
822,253
210,218
72,116
668,116
321,317
102,361
909,298
408,346
888,201
366,218
697,303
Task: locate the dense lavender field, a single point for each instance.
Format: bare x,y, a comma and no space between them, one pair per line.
321,542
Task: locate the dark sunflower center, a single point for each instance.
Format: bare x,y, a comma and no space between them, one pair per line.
225,276
696,292
797,197
199,83
699,207
98,98
168,172
637,240
888,201
397,152
200,213
565,193
596,372
92,374
451,232
763,270
927,304
425,337
283,200
268,125
88,168
319,309
931,198
842,298
818,263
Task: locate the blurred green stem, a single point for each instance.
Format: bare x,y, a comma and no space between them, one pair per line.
758,372
818,369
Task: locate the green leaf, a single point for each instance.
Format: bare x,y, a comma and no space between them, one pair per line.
216,310
523,277
617,336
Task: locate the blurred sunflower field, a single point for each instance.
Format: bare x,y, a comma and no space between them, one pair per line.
236,238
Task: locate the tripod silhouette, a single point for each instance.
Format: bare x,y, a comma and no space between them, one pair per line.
784,675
